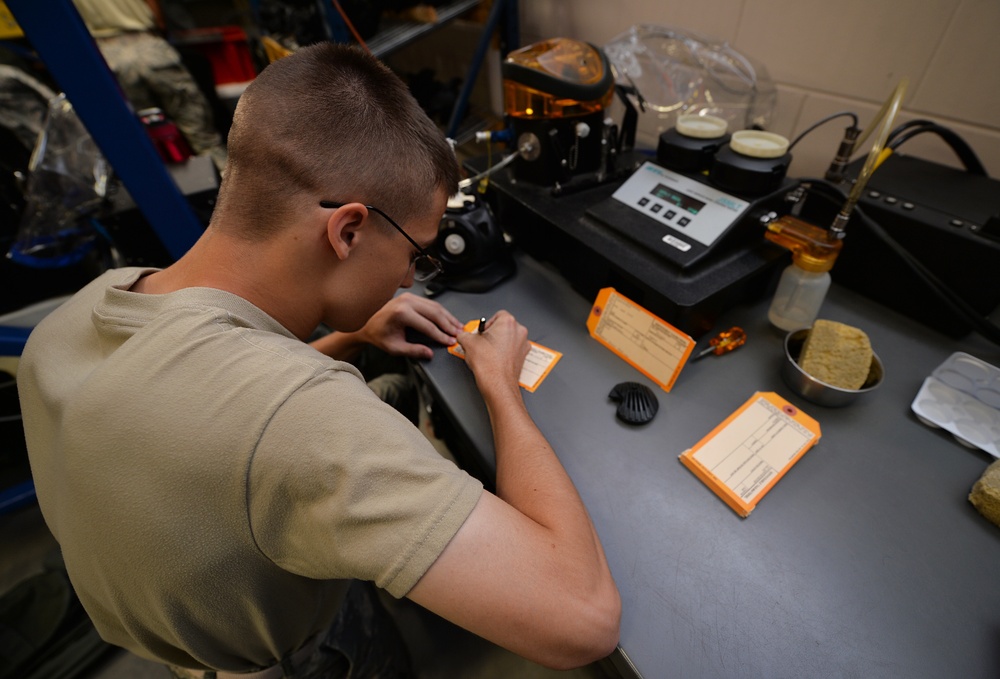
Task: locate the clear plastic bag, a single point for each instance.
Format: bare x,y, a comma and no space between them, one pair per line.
23,104
67,182
681,72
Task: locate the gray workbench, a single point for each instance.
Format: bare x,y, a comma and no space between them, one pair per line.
865,560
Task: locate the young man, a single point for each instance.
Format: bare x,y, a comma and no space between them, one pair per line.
215,483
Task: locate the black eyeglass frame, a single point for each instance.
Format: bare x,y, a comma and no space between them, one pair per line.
418,274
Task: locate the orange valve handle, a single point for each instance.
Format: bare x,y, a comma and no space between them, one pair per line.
813,249
725,342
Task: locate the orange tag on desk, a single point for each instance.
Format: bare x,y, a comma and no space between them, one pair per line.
646,342
742,458
537,364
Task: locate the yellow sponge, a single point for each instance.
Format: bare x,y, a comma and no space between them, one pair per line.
837,354
985,495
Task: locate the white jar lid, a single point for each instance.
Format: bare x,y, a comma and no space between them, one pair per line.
759,144
701,127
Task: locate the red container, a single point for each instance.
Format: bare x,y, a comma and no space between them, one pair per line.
226,49
168,140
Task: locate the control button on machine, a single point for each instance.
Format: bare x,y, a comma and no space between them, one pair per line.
957,222
656,207
891,200
908,206
643,202
671,214
683,221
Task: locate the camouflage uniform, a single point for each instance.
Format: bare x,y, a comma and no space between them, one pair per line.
363,642
151,75
150,71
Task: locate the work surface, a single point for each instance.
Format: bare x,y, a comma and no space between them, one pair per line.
865,560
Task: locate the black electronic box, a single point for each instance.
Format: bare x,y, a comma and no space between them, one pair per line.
947,218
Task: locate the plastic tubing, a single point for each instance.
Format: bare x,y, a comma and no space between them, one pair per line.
882,126
465,183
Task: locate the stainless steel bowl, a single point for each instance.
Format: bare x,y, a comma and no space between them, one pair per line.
812,389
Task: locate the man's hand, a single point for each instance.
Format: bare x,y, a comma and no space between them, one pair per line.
387,330
496,356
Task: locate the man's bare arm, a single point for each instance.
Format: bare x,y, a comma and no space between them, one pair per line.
526,570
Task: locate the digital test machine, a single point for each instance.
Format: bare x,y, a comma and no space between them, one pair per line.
679,217
703,186
682,248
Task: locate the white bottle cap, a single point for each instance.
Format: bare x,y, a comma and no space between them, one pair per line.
758,144
459,200
701,127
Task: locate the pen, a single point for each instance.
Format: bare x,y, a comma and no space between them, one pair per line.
482,325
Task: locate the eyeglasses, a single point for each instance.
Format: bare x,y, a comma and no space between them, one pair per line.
425,265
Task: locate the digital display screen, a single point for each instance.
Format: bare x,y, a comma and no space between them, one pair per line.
684,202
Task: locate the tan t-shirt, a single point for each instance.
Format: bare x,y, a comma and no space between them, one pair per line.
212,480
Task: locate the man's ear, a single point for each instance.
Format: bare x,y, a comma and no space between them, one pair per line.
344,228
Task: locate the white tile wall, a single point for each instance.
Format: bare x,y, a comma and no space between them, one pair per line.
963,79
831,56
849,47
599,21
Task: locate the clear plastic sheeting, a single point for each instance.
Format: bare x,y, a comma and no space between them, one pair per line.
67,182
23,104
681,72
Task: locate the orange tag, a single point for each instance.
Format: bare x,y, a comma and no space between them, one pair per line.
537,364
646,342
742,458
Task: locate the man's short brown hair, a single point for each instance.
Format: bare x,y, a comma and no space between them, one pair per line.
330,122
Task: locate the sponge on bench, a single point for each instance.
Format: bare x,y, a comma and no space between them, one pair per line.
837,354
985,495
